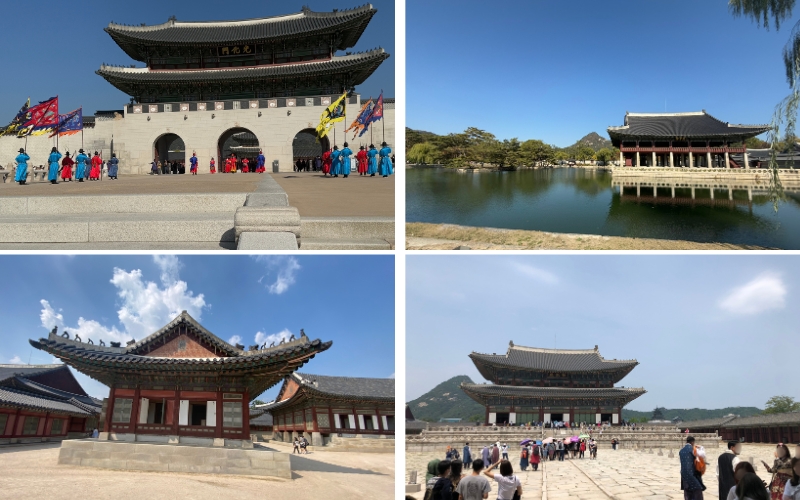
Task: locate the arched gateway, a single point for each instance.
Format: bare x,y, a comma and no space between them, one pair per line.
239,141
305,145
169,147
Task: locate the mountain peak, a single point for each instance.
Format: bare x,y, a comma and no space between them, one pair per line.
594,141
447,400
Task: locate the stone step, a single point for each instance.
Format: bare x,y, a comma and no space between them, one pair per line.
330,244
164,227
190,203
347,228
122,245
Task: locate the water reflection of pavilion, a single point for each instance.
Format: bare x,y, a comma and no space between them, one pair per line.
678,190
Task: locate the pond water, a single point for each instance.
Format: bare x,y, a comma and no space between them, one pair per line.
570,200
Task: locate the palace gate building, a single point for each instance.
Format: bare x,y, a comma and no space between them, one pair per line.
531,384
694,139
181,381
43,403
318,406
220,87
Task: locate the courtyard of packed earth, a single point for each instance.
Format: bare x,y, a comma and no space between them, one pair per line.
618,474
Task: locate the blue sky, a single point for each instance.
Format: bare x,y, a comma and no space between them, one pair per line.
346,299
61,44
556,71
708,331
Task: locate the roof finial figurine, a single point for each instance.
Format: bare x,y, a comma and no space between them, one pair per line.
291,338
89,341
302,333
272,344
102,344
78,338
510,343
54,330
283,341
65,334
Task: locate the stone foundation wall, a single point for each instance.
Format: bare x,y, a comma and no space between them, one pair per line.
174,458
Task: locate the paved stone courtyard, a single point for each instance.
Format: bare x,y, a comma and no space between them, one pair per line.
356,196
32,472
620,474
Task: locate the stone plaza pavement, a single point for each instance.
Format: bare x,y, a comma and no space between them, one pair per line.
620,474
318,196
32,472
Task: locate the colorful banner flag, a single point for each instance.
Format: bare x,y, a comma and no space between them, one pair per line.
69,124
18,120
377,111
43,118
360,123
332,114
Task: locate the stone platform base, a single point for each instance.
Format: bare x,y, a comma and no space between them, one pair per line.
174,458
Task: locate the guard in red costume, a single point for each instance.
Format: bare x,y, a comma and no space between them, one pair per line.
246,167
66,168
97,162
213,166
228,165
362,161
326,163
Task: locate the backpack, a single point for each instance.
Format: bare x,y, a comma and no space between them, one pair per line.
524,454
536,451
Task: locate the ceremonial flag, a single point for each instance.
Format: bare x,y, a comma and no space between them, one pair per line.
332,114
360,123
377,111
69,124
42,118
18,120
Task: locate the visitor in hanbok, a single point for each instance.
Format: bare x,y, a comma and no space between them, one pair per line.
792,490
386,162
22,167
372,168
535,455
781,471
66,168
345,159
485,456
80,170
467,456
94,173
52,163
246,166
212,166
362,161
326,163
336,161
193,164
113,166
154,167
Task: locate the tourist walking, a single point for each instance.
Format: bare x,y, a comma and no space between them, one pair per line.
193,164
551,451
781,471
535,456
372,159
692,488
582,448
504,451
467,456
21,175
432,470
474,486
386,162
523,459
792,489
742,468
296,446
66,168
80,170
345,159
495,453
441,486
52,164
593,450
507,482
726,465
560,450
485,456
751,487
456,466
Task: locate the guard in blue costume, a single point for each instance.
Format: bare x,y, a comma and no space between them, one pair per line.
22,167
261,162
336,161
52,173
113,167
80,170
372,154
386,162
346,153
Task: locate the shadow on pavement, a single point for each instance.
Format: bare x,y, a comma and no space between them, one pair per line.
10,448
304,464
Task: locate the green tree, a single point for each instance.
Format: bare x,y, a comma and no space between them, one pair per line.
534,152
423,153
781,404
560,156
584,153
256,402
605,155
776,11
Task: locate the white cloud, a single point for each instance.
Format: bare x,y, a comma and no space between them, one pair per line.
763,293
235,340
535,273
15,361
145,308
262,337
392,375
285,268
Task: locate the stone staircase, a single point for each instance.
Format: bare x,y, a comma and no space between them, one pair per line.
360,445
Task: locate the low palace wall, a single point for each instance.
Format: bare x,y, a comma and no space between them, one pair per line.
174,458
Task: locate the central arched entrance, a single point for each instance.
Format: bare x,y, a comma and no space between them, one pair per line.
306,146
241,142
171,149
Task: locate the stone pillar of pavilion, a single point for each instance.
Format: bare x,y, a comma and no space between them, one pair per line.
654,159
638,164
671,158
621,159
746,159
708,159
727,159
691,159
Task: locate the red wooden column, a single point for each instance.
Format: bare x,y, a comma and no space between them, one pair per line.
176,412
109,411
246,415
220,409
380,428
135,410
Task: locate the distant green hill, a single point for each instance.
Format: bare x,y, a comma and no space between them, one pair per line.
593,140
693,413
447,400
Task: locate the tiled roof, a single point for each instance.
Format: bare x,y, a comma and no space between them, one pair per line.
9,371
349,23
85,402
680,125
562,360
369,389
362,64
705,423
792,418
17,398
184,318
265,419
551,392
